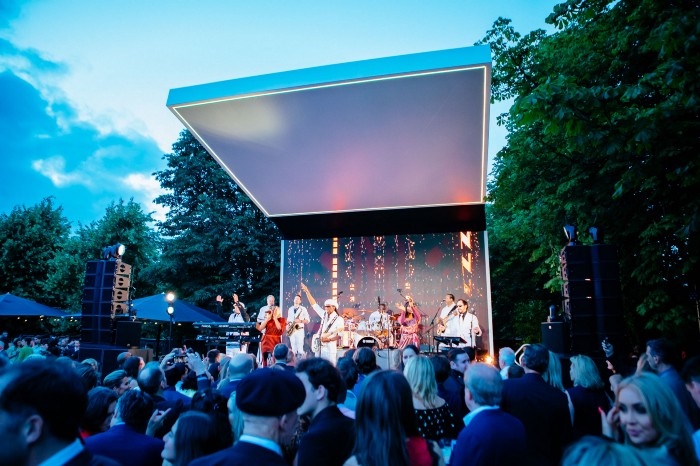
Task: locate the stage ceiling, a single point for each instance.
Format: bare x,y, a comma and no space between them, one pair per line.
385,146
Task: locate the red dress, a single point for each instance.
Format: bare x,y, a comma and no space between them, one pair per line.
272,337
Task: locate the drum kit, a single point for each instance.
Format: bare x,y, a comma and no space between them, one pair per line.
359,332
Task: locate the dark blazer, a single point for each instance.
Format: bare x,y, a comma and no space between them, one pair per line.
86,458
329,440
544,411
126,446
493,438
241,454
586,402
454,394
229,387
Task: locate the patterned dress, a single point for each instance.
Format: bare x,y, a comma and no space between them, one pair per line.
409,328
436,423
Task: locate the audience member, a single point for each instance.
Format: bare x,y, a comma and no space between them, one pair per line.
89,377
241,365
386,430
454,385
601,452
661,356
408,352
515,371
268,401
213,403
194,435
691,377
648,415
541,408
102,402
587,395
553,377
434,418
152,382
366,362
490,435
117,381
348,371
126,441
506,358
122,358
331,435
280,353
41,406
214,362
441,366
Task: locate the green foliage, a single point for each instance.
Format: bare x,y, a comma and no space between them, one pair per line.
30,238
603,131
216,241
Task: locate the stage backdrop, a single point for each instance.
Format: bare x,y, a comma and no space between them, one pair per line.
360,270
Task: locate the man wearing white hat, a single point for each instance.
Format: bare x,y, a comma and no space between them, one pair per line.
325,342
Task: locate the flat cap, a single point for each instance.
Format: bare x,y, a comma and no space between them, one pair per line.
123,356
268,392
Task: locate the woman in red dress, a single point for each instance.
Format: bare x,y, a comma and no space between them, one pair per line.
272,328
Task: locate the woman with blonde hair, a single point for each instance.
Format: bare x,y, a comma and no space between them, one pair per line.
648,415
587,396
435,420
553,377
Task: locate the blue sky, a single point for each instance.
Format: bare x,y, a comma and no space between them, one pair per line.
83,83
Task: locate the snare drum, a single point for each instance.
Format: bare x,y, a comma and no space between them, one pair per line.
367,341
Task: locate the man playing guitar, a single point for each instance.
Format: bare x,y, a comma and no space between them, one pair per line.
447,312
329,331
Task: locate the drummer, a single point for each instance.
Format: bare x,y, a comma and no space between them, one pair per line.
379,319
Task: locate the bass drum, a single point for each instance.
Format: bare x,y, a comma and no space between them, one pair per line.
367,341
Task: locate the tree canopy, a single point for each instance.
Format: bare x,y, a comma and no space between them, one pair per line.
215,240
602,132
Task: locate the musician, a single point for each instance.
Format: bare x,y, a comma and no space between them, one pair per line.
297,316
379,319
238,313
449,309
464,324
272,326
409,320
331,326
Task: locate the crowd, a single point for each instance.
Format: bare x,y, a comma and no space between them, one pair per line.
434,409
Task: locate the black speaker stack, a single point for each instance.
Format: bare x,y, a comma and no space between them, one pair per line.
591,295
105,300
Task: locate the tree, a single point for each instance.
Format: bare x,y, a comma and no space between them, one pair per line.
603,131
30,238
216,241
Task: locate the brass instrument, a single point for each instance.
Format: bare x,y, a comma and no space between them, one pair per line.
292,327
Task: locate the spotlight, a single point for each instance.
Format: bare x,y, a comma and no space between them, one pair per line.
170,297
171,310
115,251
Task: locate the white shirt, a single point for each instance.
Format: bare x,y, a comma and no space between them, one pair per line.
297,313
463,325
337,324
262,442
378,321
65,454
234,317
446,310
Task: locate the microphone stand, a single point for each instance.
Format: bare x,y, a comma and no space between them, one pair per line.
432,328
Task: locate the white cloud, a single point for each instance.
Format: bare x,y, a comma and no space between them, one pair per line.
54,168
147,189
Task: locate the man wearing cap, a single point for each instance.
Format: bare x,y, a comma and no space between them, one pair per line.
121,359
268,400
331,326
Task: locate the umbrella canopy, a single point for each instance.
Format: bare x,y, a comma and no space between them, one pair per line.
11,305
156,308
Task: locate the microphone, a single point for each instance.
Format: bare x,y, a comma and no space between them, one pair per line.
339,293
398,289
442,301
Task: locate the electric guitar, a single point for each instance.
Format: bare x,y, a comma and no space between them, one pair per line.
442,324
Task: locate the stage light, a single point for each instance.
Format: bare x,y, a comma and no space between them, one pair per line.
115,251
170,297
171,310
570,232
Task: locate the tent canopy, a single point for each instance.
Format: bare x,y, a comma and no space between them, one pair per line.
156,308
11,306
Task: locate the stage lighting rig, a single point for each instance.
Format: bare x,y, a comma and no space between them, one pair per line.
114,252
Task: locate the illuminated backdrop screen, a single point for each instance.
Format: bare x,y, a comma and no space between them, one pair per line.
358,270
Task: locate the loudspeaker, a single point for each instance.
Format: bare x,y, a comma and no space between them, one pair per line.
555,336
107,357
128,333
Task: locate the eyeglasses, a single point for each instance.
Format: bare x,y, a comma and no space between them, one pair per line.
327,305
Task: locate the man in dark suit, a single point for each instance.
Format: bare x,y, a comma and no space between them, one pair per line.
125,441
490,436
41,407
331,435
268,400
453,386
241,365
280,353
543,410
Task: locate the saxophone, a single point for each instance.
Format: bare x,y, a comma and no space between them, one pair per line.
292,326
